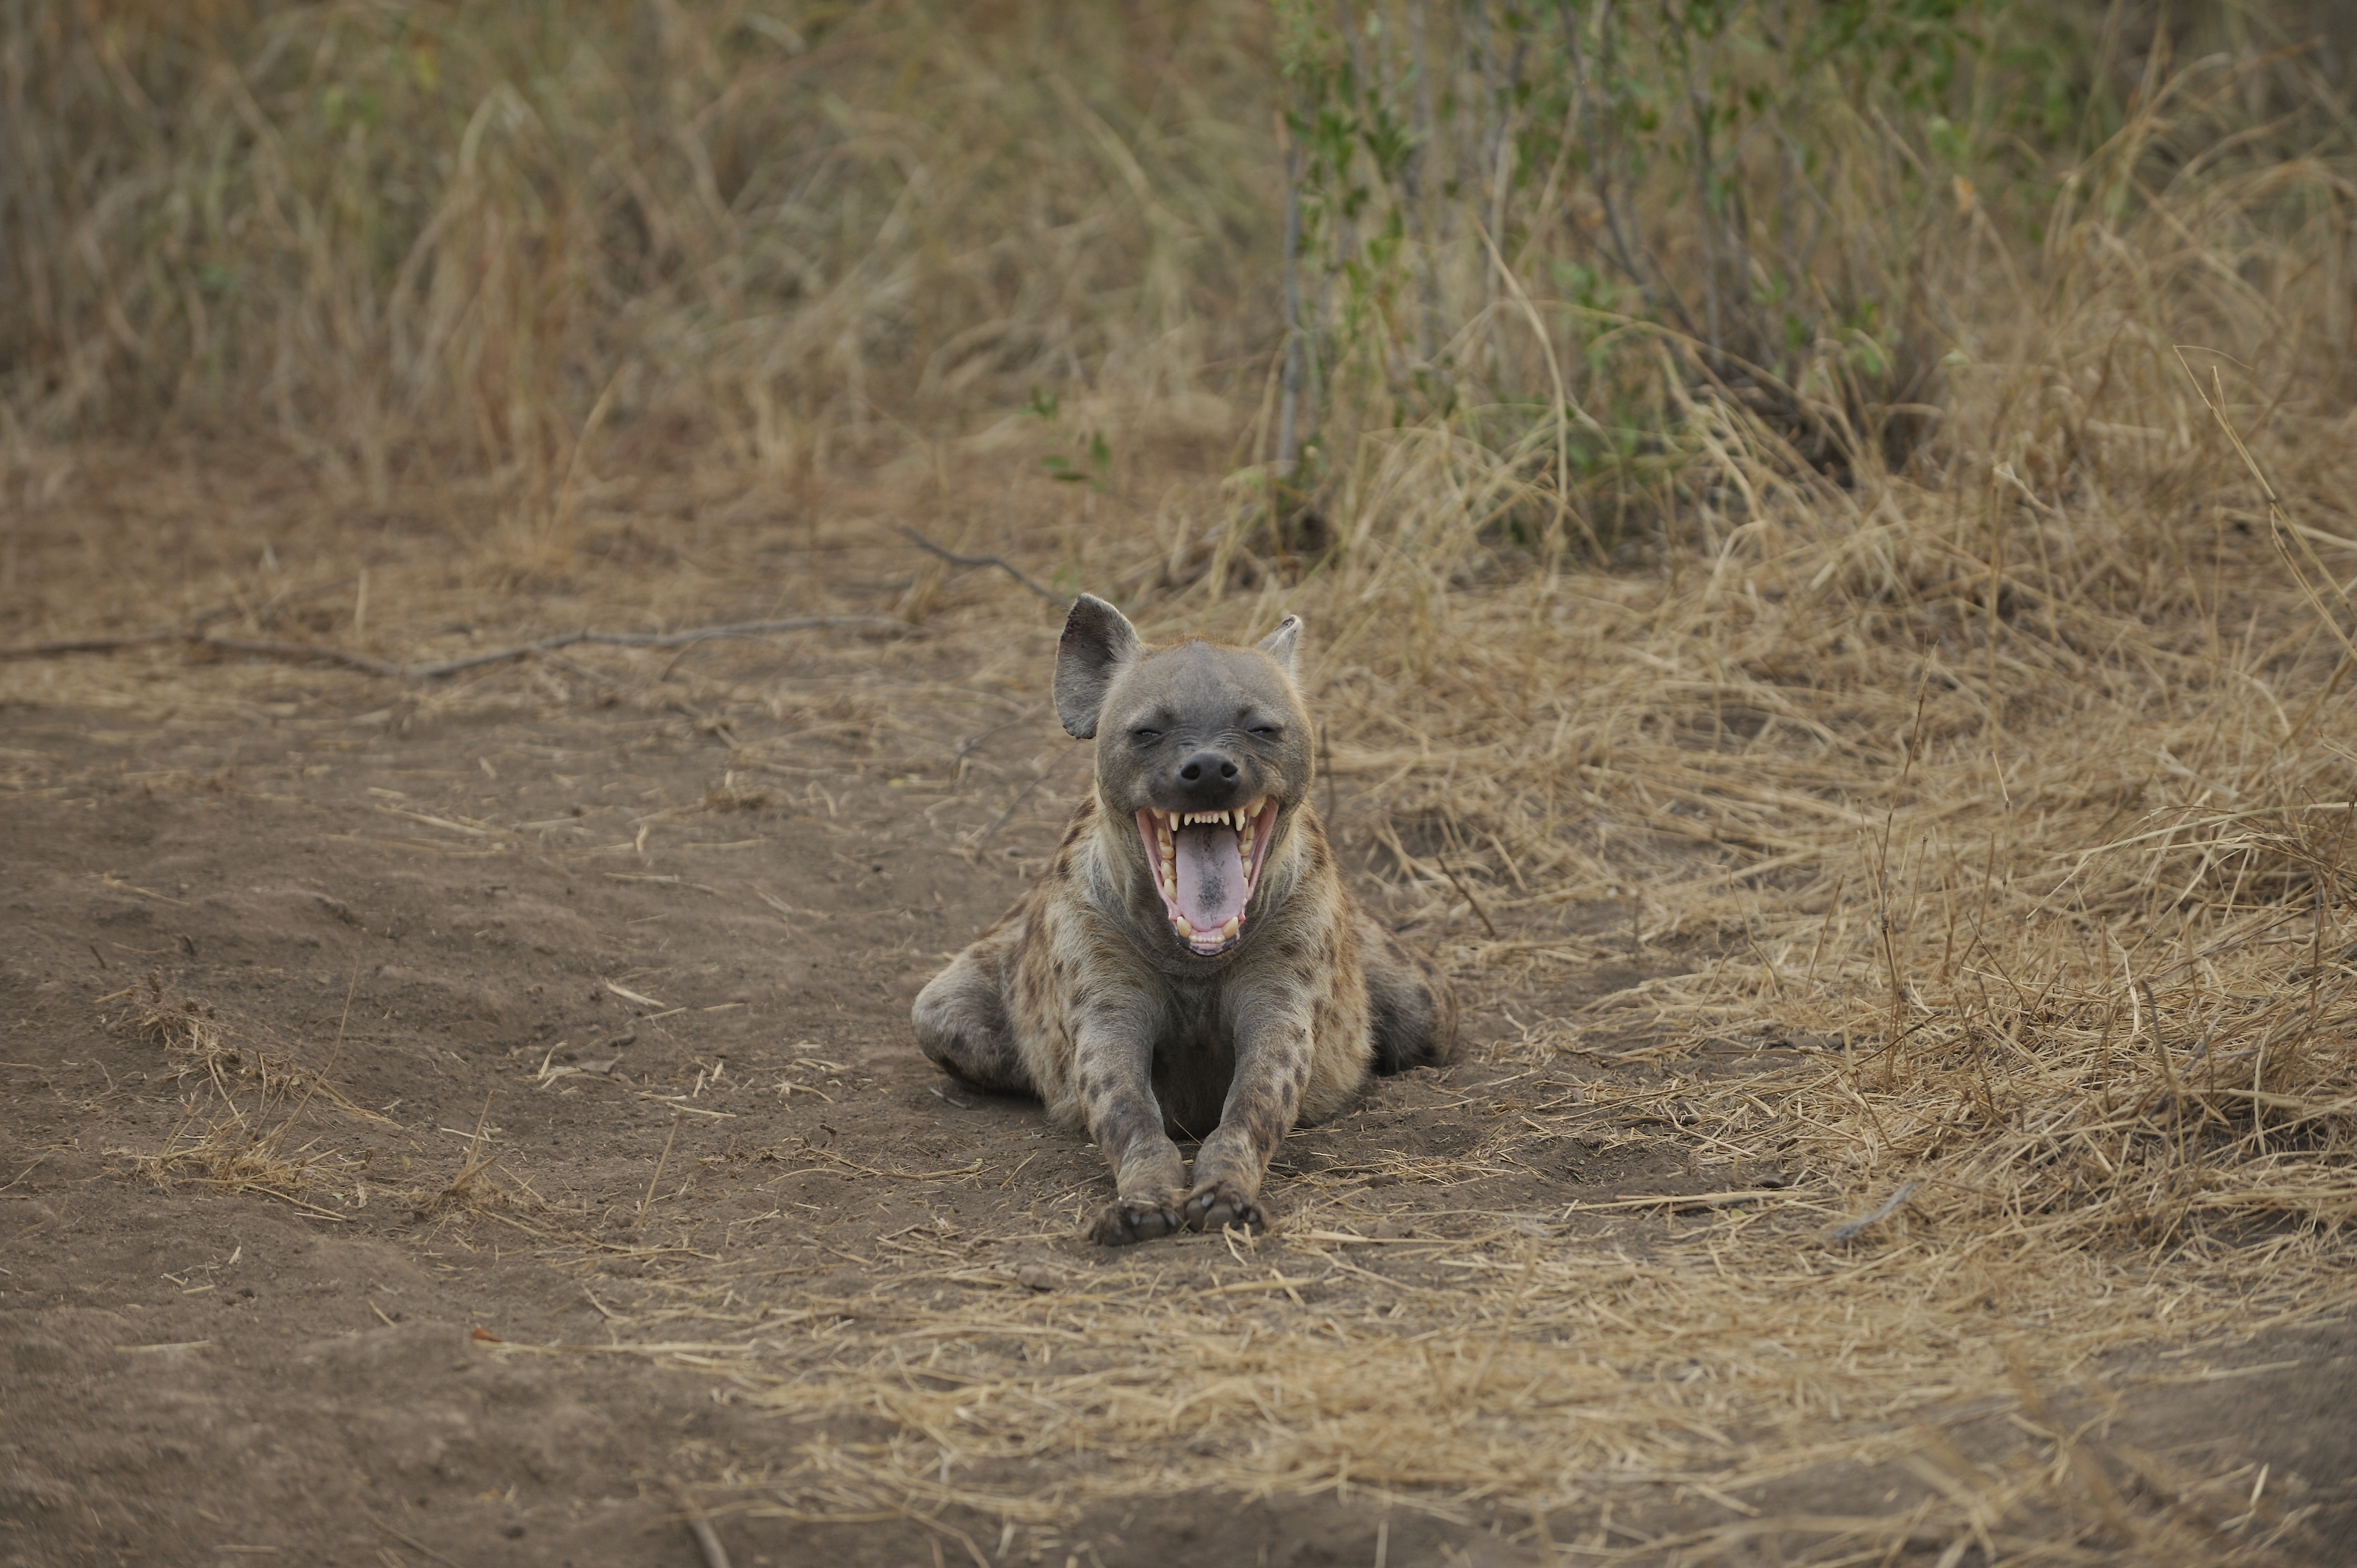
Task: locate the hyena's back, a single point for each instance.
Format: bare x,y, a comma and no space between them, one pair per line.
1413,1006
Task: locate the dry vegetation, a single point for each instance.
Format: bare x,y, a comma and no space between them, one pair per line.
239,1130
1948,640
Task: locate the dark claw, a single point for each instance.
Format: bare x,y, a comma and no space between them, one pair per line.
1218,1206
1128,1221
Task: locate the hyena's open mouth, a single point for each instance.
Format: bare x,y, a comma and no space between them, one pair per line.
1206,864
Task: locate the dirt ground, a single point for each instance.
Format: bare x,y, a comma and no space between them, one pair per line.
657,958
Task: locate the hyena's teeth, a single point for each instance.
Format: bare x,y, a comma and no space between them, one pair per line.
1235,923
1239,818
1185,930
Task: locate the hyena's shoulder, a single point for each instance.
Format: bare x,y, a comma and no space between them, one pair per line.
1312,953
1321,873
1410,1007
1031,920
1056,952
1317,908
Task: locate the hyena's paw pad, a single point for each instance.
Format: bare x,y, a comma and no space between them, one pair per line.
1128,1221
1217,1205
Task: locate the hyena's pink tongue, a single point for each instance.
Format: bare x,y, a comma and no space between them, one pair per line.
1212,888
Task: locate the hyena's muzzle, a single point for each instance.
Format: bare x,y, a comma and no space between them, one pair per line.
1208,830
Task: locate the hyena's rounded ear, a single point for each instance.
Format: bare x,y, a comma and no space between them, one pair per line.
1097,641
1283,642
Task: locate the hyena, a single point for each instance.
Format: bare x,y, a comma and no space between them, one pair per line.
1191,965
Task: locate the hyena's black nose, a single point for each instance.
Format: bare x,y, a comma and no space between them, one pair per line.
1208,777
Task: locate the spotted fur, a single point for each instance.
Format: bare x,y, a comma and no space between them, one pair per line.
1082,995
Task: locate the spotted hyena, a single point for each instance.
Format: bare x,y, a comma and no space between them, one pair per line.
1190,965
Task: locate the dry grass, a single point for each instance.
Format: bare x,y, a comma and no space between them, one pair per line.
474,1188
1558,1378
238,1132
394,234
242,1129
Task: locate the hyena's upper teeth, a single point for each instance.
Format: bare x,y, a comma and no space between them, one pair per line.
1239,818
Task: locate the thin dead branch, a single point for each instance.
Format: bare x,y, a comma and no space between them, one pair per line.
434,670
1061,601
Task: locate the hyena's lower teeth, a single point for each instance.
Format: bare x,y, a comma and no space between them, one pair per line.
1235,923
1184,929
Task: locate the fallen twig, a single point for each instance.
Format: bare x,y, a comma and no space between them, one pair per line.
434,670
410,1541
660,1159
707,1539
1470,902
1021,795
1849,1229
954,559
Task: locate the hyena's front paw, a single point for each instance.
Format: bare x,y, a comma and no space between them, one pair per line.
1128,1221
1216,1205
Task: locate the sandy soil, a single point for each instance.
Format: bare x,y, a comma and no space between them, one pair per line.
664,976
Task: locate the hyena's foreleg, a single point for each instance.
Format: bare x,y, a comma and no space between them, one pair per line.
1113,1071
1273,1064
962,1024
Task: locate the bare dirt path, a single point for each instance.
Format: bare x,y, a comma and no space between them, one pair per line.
673,1002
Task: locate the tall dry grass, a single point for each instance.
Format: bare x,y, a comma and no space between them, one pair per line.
2018,761
805,233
